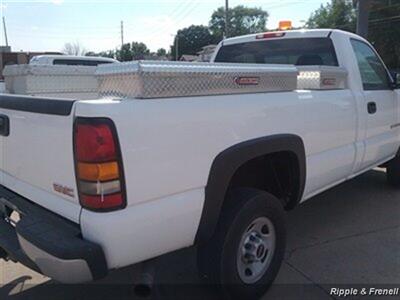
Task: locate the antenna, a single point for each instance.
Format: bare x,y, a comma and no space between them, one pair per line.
5,30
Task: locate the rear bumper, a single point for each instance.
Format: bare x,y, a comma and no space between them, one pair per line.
47,243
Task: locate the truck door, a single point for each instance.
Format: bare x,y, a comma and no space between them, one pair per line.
379,107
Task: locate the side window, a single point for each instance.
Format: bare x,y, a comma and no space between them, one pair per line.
373,73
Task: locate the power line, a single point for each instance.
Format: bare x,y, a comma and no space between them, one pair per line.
172,14
182,17
385,7
384,19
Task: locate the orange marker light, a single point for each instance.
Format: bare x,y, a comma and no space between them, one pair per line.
285,25
98,171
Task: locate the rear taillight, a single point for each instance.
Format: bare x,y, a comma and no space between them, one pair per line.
98,163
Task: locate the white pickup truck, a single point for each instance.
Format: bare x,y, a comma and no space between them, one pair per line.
173,155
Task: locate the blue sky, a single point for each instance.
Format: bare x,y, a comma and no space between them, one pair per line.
37,25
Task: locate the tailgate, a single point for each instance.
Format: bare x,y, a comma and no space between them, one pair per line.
37,159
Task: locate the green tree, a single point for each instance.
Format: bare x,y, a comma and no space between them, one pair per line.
74,49
109,53
338,14
161,52
139,50
384,25
241,20
191,39
132,51
125,53
384,31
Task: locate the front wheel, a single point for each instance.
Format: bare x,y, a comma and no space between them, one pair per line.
245,253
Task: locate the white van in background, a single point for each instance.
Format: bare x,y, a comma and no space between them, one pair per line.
71,60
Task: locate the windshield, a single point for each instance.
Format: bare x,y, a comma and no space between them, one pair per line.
300,51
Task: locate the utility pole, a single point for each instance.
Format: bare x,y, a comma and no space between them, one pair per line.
226,19
176,47
5,30
122,33
363,7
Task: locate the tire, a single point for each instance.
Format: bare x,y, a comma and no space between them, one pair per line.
224,261
393,172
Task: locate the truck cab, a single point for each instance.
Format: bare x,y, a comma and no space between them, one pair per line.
368,117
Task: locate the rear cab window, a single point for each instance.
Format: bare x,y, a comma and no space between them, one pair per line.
296,51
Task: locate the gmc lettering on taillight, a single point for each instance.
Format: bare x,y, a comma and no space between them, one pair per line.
98,165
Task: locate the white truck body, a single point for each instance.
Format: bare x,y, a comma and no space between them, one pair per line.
168,147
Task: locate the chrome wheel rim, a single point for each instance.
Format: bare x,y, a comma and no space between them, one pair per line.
256,250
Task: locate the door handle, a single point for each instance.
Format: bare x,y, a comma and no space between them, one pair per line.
4,125
371,107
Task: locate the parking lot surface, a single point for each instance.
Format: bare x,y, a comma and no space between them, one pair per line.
347,236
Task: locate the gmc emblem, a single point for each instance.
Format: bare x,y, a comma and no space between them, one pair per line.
63,190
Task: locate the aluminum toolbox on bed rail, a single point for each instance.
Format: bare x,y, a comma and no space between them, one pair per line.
52,81
321,78
154,79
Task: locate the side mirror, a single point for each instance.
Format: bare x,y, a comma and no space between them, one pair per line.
396,80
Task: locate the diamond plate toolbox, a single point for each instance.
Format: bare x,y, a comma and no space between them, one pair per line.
52,80
154,79
321,78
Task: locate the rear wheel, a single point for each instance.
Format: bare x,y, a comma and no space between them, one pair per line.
247,249
393,172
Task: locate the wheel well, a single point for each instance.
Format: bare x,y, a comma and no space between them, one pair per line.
274,163
277,173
